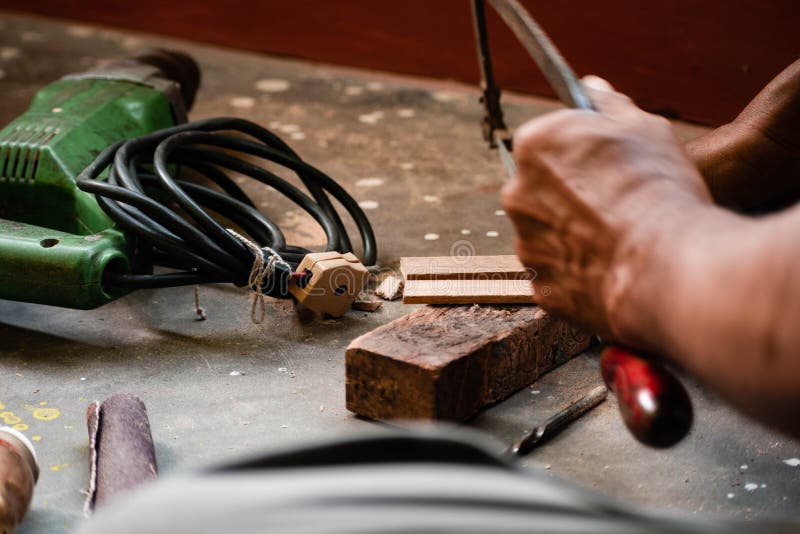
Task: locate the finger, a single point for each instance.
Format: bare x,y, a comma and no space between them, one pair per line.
606,99
597,83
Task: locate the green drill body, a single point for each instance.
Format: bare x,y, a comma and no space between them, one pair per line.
55,240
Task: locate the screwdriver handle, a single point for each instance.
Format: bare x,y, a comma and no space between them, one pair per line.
654,404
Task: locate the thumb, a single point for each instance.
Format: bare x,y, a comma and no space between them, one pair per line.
606,99
597,83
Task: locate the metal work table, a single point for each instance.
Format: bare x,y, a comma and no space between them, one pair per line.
225,387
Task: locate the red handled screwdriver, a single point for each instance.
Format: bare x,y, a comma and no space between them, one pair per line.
654,404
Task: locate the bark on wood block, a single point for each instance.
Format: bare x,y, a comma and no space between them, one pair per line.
449,362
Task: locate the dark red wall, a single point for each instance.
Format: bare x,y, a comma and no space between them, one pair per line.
701,60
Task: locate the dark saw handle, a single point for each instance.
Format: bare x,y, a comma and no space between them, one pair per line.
654,404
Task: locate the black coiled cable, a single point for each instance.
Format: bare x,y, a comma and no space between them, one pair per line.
140,193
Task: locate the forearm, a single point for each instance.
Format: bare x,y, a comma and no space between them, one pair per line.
721,297
744,170
754,162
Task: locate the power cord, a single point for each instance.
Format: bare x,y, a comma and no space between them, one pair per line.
170,213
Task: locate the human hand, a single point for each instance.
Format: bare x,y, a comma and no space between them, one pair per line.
595,195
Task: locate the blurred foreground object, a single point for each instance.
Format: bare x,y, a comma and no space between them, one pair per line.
19,472
445,480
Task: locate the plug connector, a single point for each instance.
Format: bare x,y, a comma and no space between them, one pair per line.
334,282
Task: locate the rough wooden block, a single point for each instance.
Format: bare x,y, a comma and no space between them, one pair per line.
449,362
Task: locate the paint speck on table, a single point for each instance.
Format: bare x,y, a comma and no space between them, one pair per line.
430,198
132,43
36,438
444,96
792,462
431,237
83,379
406,113
751,486
407,166
369,204
58,467
371,118
289,128
33,37
499,213
466,231
731,495
492,233
272,85
297,136
535,392
8,52
46,414
80,32
242,102
743,467
236,373
353,90
370,182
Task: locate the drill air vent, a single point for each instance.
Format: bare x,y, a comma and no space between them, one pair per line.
19,152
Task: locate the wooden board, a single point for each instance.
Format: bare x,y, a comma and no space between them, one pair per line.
449,362
468,292
505,267
470,280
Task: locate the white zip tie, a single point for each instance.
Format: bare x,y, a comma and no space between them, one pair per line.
261,270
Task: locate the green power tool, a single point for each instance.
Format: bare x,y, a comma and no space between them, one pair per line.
56,243
102,180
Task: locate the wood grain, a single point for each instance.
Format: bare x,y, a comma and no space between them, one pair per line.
504,267
468,292
449,362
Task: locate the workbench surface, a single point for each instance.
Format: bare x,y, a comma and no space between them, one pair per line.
225,387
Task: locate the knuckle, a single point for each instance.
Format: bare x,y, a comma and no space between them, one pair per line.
659,121
543,131
511,193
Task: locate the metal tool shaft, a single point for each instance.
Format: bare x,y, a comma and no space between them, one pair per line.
558,422
558,73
